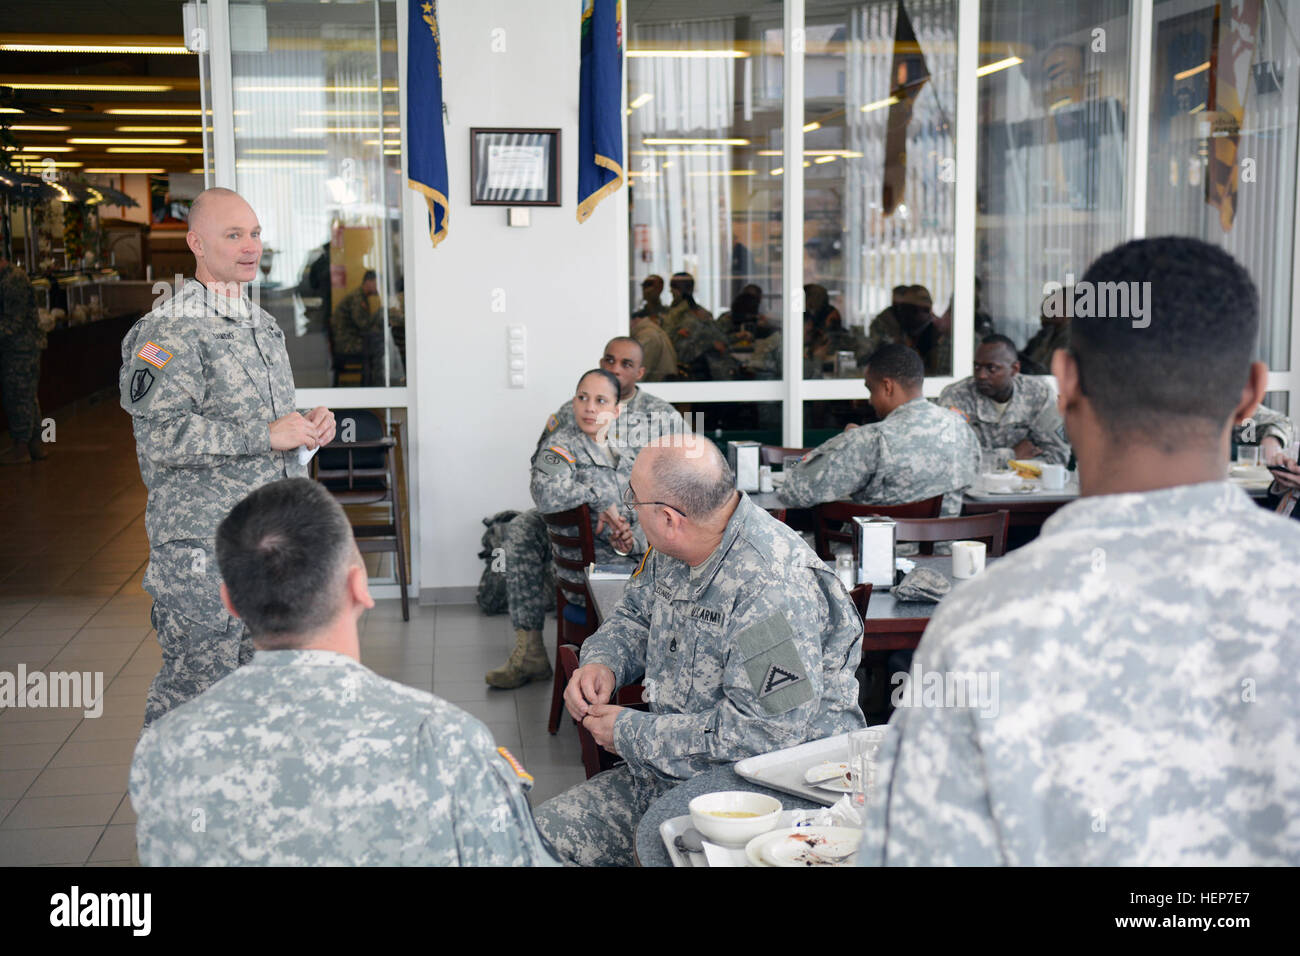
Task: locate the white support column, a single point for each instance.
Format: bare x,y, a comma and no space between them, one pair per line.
963,309
792,226
223,94
1138,125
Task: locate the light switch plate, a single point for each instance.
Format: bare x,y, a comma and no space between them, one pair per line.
516,356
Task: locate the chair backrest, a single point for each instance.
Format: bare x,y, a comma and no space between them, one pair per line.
595,758
861,595
361,425
989,528
828,517
571,529
775,454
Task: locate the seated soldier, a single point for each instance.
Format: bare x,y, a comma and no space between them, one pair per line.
358,329
641,416
744,640
1142,706
1014,416
305,757
660,358
916,451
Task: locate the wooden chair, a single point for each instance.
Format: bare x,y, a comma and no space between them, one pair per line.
989,528
594,757
776,455
573,623
828,517
364,472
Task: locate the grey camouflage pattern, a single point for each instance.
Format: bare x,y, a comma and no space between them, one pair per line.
21,341
917,452
195,656
595,824
1148,700
203,444
1272,423
1030,414
752,651
307,758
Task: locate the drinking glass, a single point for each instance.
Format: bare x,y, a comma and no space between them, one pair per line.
863,745
1248,455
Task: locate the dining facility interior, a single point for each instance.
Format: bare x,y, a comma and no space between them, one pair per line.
771,155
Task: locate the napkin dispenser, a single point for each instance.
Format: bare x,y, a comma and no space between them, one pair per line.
743,457
876,539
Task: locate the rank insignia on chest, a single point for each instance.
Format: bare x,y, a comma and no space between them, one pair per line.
154,354
141,381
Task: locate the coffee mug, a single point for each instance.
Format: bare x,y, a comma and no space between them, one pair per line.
967,558
1053,477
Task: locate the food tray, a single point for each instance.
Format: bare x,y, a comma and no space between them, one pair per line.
784,769
670,830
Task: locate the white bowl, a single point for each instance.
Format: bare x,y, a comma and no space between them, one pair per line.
999,481
734,831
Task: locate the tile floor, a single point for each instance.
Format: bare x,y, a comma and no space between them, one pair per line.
71,563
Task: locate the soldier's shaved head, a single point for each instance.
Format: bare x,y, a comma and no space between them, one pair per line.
207,203
689,473
225,237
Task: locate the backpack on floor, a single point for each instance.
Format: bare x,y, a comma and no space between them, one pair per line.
491,595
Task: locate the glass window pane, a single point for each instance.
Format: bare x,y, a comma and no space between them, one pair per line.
317,154
1223,142
704,133
880,104
823,420
1051,154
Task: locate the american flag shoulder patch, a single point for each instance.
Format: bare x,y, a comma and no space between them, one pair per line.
154,354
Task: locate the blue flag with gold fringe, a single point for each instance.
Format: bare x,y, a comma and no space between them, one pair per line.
426,149
600,104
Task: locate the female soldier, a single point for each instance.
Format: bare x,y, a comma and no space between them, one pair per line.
576,467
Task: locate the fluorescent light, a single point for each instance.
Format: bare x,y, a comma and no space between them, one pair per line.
178,111
695,142
825,159
1193,71
42,129
155,149
40,159
1197,108
880,104
286,152
313,89
121,141
689,54
322,130
42,149
726,172
159,129
95,87
846,153
124,169
810,127
996,65
392,152
641,101
680,152
150,48
778,171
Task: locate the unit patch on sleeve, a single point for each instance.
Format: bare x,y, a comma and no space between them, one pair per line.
141,381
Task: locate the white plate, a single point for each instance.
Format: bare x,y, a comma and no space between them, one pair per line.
793,847
821,770
754,846
1021,490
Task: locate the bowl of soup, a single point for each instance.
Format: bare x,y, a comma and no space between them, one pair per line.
734,817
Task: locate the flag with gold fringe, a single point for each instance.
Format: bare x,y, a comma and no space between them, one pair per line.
426,141
1232,50
600,104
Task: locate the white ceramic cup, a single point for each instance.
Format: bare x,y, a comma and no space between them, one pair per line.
1053,477
967,558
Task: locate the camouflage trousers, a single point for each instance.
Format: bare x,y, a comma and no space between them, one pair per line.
20,373
530,576
195,656
594,823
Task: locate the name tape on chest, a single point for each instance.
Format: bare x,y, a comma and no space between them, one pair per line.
664,591
154,354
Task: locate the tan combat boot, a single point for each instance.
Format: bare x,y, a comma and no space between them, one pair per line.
528,662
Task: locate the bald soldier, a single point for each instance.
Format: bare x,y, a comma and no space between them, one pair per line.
206,380
744,641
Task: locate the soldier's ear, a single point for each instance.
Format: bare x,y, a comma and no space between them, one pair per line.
225,600
1066,370
195,243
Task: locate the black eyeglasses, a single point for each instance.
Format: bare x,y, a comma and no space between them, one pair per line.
630,502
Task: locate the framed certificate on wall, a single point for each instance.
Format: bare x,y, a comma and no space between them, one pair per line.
514,167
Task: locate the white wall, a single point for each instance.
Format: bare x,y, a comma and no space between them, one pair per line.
565,281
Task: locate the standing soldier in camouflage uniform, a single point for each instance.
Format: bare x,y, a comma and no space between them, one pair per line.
354,326
916,451
641,416
206,379
578,467
305,757
747,643
1148,704
20,363
1014,416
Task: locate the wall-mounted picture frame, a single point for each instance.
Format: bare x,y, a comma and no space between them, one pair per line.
514,167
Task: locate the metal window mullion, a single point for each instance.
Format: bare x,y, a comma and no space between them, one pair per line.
223,94
1138,126
964,214
792,224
